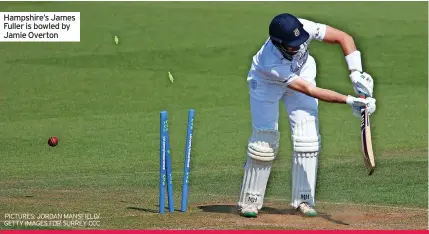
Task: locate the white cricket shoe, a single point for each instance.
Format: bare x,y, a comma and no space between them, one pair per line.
307,210
249,211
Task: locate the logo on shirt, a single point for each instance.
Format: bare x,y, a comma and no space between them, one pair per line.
296,32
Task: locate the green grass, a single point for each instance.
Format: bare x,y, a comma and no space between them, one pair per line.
103,101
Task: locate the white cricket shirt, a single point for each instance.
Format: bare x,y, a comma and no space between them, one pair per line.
269,63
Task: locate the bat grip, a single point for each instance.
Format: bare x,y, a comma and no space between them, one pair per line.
362,95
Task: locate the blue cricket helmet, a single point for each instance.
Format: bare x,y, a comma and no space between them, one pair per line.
287,30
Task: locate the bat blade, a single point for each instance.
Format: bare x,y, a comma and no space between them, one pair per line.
367,151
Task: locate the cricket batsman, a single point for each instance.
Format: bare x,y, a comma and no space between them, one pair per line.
283,70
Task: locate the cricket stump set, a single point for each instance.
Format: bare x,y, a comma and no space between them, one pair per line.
165,171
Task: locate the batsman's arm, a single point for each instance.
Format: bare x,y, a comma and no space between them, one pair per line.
352,55
326,95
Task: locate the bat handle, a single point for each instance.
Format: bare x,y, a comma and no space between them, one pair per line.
362,95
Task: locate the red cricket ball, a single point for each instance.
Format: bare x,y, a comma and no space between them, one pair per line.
53,141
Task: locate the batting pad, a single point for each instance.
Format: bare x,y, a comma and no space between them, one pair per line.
306,147
304,174
263,145
256,174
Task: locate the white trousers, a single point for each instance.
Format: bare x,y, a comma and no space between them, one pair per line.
265,96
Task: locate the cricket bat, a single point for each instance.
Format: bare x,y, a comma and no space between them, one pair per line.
368,154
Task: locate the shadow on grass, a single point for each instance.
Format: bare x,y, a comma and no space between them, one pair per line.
149,210
232,209
329,218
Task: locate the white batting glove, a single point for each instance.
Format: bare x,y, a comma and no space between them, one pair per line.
358,103
362,83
